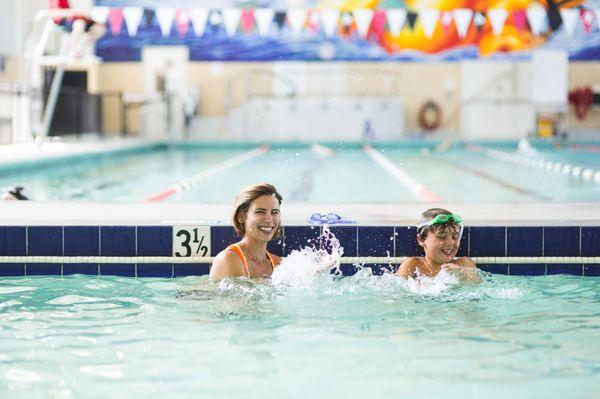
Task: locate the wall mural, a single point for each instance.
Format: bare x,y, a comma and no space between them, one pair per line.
350,30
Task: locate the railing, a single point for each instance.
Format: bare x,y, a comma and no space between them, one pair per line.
14,111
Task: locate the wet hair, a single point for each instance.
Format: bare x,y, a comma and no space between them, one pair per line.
245,198
17,192
430,214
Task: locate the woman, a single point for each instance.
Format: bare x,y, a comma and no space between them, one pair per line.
256,218
439,235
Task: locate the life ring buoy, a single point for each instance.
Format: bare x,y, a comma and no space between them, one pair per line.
430,115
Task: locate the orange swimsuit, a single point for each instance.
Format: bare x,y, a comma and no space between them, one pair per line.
236,248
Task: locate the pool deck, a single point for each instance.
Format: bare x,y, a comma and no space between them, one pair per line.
25,213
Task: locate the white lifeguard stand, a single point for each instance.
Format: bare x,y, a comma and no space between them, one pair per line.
41,57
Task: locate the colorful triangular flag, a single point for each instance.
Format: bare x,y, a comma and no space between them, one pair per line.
569,17
280,16
264,20
115,18
247,20
363,17
148,17
396,19
329,19
182,22
429,18
587,17
462,20
133,17
99,14
296,18
479,19
378,23
165,17
199,16
519,18
411,19
537,17
231,20
497,19
446,20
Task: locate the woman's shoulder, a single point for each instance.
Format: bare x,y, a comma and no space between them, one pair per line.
227,263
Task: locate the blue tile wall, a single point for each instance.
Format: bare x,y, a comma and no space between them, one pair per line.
526,269
117,241
494,268
298,237
357,241
191,269
221,237
155,270
154,241
45,241
117,269
487,241
346,235
12,269
13,241
82,241
276,246
406,241
561,241
376,241
524,241
80,268
558,268
591,270
590,241
463,250
40,269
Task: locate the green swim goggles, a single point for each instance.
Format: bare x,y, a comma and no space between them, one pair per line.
440,219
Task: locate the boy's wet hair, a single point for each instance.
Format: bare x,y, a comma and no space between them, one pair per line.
244,199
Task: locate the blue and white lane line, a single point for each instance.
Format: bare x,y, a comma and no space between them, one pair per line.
531,161
205,174
418,188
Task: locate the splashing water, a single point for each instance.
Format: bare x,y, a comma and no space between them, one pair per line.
305,266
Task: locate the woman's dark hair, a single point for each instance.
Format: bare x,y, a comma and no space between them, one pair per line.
244,199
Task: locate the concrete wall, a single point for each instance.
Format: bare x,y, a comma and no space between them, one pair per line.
417,83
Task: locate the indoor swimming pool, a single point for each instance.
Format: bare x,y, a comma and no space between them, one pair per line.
340,173
363,336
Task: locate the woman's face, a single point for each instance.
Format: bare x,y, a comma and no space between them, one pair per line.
263,219
441,245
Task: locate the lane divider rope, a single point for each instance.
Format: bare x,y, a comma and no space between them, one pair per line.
534,162
205,174
345,259
418,188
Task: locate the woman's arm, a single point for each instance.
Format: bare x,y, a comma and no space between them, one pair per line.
226,264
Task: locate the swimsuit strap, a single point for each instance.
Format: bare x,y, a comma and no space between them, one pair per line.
236,248
273,265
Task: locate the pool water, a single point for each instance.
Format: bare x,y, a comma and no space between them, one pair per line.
356,337
350,175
